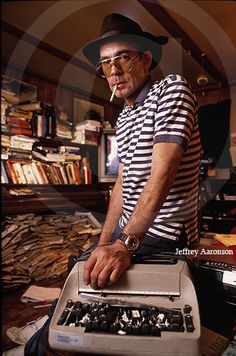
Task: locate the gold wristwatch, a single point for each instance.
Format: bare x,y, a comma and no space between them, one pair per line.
132,242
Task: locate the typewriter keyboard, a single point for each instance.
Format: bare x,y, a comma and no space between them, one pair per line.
105,318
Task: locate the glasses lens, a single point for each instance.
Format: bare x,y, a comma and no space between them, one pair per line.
123,63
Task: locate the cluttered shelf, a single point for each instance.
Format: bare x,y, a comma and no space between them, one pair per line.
41,198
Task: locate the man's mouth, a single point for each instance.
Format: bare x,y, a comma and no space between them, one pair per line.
119,85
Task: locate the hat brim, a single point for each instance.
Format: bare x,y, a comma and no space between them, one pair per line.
145,42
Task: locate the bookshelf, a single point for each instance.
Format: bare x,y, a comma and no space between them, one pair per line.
49,199
43,168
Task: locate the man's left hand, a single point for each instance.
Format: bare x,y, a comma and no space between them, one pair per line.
106,264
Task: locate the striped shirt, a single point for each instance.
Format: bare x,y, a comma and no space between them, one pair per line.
164,111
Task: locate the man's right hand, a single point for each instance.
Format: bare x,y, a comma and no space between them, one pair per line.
106,264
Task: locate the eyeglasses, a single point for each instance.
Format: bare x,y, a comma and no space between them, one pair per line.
124,63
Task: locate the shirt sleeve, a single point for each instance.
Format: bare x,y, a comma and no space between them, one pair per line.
176,112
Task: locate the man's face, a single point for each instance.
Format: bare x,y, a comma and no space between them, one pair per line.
128,82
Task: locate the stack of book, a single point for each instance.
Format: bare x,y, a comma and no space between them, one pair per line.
61,164
19,126
87,132
37,247
63,129
13,119
18,154
26,126
28,163
46,122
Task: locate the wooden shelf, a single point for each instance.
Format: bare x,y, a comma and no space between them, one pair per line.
52,198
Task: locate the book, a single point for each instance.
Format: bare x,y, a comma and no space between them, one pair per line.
5,140
21,114
52,157
45,168
22,141
57,167
30,178
42,173
44,150
19,154
33,106
23,138
18,122
70,173
23,191
4,177
4,107
63,173
77,172
61,132
50,174
19,172
68,149
10,172
72,157
56,174
36,173
20,131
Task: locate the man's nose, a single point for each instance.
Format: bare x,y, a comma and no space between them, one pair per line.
115,68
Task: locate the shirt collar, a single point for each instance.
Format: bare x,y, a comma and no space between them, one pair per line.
143,92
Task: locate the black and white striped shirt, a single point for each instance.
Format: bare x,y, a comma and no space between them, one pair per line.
164,111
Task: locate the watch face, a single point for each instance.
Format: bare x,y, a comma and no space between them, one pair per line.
132,242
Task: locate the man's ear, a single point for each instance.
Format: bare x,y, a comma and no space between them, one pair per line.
147,59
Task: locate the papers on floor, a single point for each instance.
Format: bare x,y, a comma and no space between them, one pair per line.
40,294
37,247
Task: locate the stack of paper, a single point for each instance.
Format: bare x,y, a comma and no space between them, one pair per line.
37,247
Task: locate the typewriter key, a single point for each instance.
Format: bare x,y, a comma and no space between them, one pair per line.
69,303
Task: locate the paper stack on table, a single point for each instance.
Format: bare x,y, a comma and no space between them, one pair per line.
226,239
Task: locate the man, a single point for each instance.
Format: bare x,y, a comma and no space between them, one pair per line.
154,201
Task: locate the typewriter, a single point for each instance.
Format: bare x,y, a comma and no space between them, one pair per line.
151,310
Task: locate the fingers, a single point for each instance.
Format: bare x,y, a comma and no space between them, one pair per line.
98,274
114,276
94,273
116,273
105,265
103,277
88,267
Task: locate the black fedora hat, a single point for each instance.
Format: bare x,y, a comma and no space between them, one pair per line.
119,27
